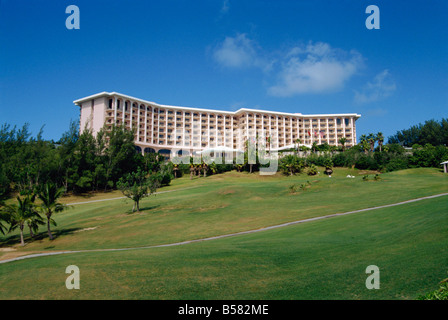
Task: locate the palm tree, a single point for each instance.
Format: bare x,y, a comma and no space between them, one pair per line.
175,169
49,195
250,153
21,213
371,138
34,220
3,218
204,168
380,139
213,168
364,143
342,141
291,164
33,223
268,140
191,171
192,168
298,142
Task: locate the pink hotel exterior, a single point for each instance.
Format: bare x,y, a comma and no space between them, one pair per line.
162,128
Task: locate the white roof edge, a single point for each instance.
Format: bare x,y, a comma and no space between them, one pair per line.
104,93
93,96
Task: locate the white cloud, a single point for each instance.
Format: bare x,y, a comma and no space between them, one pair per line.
381,87
315,68
311,68
240,52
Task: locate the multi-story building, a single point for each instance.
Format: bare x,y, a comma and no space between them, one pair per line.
162,128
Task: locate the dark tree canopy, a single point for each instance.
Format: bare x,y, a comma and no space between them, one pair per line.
432,132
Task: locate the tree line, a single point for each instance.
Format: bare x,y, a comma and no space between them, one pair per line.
431,132
77,162
368,154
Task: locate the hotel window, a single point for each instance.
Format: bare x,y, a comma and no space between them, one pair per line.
347,121
110,103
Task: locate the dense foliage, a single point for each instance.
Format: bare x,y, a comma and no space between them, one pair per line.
439,294
79,163
432,132
393,157
84,162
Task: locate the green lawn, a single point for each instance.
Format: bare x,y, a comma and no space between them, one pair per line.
324,259
318,260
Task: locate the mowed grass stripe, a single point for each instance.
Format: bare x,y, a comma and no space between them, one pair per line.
323,259
225,204
227,235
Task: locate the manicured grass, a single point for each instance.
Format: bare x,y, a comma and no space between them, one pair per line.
223,204
324,259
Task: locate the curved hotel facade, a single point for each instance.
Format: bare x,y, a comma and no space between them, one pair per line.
165,129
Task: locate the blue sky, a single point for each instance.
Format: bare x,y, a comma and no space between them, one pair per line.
292,56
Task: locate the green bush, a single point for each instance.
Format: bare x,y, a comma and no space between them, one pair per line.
312,170
439,294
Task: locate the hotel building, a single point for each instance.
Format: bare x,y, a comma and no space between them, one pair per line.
163,128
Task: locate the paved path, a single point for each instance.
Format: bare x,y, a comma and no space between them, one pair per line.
226,235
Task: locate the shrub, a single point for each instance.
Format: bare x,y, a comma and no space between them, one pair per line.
439,294
293,188
396,164
312,170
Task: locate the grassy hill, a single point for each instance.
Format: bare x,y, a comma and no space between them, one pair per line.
324,259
